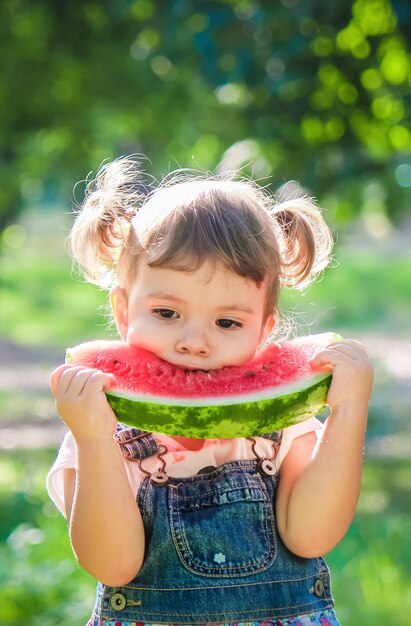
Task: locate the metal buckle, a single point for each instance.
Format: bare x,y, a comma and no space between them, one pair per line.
158,477
265,466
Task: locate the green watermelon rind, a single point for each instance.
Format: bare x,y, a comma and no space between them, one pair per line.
244,416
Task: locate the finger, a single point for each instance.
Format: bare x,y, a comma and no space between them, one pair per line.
358,346
345,350
328,358
56,375
72,381
80,382
352,349
353,344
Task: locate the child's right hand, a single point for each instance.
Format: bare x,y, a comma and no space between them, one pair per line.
82,403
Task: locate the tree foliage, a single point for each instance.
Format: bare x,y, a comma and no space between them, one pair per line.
314,91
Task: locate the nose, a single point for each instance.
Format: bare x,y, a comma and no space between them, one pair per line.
194,343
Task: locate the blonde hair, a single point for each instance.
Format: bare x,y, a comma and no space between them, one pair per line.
187,220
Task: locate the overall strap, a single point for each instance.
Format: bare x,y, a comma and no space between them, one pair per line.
274,436
135,444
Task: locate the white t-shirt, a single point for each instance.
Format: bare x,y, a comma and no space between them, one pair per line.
180,462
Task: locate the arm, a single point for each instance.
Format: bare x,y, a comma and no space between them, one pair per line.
106,528
320,482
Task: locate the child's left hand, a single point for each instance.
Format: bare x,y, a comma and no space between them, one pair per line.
353,373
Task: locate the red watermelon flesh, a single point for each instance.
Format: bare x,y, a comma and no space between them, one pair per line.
136,369
275,389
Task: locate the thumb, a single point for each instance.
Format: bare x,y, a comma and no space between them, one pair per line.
324,360
109,380
103,380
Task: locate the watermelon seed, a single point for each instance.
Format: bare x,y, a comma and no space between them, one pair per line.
251,374
264,367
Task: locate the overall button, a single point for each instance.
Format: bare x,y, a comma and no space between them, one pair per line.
118,601
319,587
159,478
267,467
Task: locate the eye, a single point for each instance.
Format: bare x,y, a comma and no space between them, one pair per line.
227,324
166,314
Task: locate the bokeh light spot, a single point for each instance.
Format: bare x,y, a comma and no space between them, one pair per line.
403,175
14,237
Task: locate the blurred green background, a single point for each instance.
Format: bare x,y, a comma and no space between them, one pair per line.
313,91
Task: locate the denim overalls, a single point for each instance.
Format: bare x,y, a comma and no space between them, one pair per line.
213,554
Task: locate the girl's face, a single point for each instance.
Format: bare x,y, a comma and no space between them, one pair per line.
205,319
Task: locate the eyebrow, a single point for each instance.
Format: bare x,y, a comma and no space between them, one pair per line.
238,307
164,296
173,298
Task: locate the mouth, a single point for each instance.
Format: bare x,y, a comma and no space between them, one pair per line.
189,369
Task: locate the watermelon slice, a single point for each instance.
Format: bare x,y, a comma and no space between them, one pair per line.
276,389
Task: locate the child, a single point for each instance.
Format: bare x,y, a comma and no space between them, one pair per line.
194,271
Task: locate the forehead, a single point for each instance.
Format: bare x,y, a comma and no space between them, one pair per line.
210,279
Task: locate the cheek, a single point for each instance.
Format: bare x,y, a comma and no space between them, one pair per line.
256,340
144,333
147,333
245,348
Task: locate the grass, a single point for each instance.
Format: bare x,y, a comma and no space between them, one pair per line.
371,572
40,580
44,305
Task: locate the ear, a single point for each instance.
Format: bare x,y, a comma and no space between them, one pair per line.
268,326
119,306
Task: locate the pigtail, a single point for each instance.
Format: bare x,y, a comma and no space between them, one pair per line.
102,226
305,241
